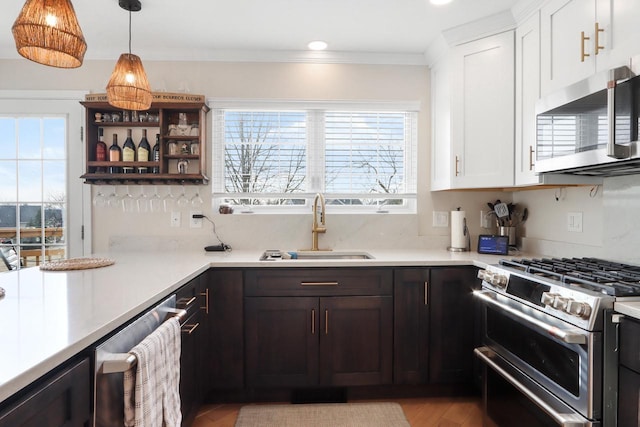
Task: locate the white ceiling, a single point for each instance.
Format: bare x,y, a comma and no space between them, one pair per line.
218,29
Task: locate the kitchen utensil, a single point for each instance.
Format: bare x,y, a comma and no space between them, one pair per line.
502,210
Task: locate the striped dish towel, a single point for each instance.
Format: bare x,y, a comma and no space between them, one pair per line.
152,387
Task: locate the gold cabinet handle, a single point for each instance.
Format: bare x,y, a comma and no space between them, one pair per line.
597,32
318,283
531,151
313,321
205,294
326,322
583,53
457,164
426,293
181,301
188,329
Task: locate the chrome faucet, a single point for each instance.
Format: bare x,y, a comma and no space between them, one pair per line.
318,225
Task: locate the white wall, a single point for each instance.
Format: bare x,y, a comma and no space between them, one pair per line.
269,81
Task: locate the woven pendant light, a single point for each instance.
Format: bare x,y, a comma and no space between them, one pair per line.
47,32
128,87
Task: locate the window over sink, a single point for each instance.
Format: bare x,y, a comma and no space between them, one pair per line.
275,156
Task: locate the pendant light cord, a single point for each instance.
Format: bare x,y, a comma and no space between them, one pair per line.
129,31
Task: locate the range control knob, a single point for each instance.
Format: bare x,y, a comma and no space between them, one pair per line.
579,309
495,279
548,298
560,303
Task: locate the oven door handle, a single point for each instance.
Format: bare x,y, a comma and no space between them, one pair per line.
568,336
564,420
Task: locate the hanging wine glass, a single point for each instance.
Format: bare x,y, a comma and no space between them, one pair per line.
128,202
114,201
155,202
182,201
196,201
169,202
100,200
144,201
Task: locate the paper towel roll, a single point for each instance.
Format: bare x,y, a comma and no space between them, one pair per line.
458,238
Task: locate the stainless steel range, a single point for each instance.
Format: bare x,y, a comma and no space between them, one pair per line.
549,340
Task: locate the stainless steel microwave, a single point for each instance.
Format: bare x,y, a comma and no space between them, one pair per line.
591,127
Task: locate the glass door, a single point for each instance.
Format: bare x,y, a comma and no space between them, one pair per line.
41,195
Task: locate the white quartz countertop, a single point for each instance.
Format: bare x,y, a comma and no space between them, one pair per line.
48,317
629,308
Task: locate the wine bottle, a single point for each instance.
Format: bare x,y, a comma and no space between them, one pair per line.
101,151
156,154
128,152
144,149
115,154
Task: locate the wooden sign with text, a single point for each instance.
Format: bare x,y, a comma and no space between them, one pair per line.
176,98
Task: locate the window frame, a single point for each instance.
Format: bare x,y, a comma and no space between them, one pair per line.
315,169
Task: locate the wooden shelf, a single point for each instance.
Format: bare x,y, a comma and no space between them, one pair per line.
170,108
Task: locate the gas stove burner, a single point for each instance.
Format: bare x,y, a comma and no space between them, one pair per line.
607,277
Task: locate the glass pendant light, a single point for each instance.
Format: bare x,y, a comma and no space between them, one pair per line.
128,87
47,32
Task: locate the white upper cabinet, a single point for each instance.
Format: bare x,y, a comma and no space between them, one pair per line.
527,94
582,37
473,115
567,55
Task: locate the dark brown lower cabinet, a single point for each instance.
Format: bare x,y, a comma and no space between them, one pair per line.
434,332
61,400
629,374
318,341
193,297
452,331
411,326
224,359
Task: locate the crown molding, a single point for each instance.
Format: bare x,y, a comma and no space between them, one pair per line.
525,8
492,24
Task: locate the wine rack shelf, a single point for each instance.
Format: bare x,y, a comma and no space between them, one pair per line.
177,121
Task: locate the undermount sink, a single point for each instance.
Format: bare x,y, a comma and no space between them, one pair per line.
275,255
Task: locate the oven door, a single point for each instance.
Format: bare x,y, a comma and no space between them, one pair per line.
560,357
513,399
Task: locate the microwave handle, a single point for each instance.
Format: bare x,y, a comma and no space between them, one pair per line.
614,150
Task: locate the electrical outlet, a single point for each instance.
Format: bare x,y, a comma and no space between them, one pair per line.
574,222
440,219
484,220
175,219
195,222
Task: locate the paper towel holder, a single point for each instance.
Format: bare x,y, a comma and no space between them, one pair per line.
465,232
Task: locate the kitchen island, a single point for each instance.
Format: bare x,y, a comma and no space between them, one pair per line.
48,317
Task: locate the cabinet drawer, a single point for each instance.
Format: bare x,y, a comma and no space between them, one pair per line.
191,296
62,400
630,344
317,281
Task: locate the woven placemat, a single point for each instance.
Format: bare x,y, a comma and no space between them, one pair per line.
76,264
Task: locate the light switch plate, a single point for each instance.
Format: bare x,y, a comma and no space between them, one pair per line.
440,219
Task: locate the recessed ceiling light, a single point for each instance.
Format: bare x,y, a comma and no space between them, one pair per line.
317,45
440,2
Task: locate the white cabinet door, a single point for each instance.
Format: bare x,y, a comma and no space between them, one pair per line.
482,111
622,34
527,94
441,126
562,23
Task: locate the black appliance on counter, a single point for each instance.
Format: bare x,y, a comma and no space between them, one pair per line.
549,351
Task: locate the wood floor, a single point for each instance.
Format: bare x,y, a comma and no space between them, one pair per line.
420,412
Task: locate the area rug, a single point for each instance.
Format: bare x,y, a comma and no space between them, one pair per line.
383,414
